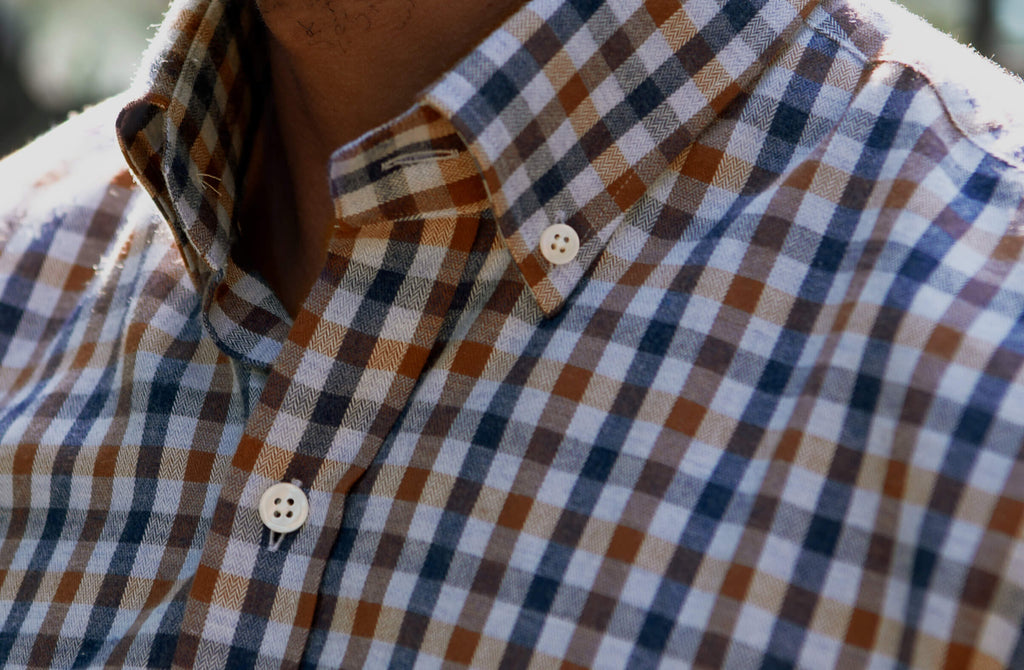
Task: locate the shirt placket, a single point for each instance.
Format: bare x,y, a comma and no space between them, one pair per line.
408,206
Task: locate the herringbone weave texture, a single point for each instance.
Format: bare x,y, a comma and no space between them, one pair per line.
771,415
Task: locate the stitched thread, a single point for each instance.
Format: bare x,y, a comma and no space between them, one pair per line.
416,157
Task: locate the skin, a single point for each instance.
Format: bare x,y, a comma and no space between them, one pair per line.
339,68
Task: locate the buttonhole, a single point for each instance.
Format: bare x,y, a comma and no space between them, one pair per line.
414,157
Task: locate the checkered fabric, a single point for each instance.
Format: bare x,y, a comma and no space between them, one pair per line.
771,415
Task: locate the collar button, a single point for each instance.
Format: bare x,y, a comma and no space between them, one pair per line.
559,244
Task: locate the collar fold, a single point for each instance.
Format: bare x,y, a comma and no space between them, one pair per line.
189,132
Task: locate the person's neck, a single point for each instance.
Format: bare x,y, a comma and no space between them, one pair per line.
340,68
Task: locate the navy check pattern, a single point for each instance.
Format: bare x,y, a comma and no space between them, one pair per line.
770,416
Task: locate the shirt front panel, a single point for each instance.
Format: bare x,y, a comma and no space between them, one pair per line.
343,376
738,437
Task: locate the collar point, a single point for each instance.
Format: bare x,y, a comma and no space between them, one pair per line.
537,275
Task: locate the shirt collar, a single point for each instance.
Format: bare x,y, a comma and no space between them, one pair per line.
571,110
188,133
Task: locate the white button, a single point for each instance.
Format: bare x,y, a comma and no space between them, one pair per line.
284,508
559,243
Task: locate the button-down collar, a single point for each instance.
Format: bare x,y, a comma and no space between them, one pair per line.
573,109
543,105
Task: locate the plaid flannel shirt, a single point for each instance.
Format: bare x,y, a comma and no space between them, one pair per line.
770,415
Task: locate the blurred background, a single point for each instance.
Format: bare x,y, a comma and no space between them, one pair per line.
59,55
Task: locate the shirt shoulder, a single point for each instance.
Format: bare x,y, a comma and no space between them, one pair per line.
982,100
67,198
72,163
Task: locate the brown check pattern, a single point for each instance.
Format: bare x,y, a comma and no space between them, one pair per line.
769,416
